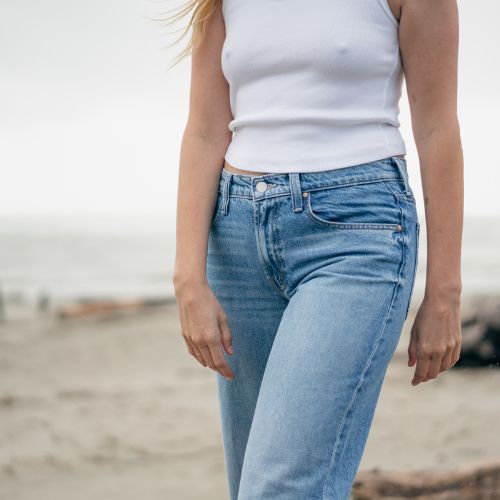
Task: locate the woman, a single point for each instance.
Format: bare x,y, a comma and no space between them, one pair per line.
295,262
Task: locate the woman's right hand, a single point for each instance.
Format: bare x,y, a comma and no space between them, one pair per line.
204,326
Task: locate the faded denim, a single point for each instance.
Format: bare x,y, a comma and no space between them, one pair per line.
315,272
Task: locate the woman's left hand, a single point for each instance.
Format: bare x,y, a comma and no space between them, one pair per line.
436,337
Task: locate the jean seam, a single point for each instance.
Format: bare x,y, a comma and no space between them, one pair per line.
259,251
408,196
367,365
278,250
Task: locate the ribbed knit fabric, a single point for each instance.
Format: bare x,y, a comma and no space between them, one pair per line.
314,84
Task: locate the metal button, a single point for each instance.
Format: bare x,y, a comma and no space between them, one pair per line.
261,186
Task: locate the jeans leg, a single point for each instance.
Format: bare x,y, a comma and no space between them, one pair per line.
311,346
254,309
321,386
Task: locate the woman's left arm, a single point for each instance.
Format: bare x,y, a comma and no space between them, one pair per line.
428,34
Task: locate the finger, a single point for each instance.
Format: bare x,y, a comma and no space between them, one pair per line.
423,362
195,351
456,353
189,346
207,356
220,361
412,351
226,335
434,367
446,362
199,356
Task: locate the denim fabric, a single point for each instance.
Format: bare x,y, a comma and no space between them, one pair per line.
315,272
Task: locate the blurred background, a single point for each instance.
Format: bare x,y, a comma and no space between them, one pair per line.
98,395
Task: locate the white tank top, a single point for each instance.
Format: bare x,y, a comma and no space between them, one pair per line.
314,84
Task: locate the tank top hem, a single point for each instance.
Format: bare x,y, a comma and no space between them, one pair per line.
317,165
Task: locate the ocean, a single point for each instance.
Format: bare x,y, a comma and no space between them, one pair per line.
127,256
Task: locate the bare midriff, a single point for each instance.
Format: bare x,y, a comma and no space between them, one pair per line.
235,170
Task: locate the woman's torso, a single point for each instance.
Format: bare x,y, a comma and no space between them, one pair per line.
313,85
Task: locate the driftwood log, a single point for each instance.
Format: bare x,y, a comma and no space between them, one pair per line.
480,332
90,308
479,481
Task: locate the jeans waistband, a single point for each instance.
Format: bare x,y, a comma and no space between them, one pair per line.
259,187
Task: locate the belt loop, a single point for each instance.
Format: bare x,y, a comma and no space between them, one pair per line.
296,191
225,192
401,164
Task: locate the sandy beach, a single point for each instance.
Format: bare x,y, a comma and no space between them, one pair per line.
115,408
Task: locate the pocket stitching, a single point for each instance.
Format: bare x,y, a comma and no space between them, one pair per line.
347,225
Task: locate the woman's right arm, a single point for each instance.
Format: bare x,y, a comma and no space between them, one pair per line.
205,140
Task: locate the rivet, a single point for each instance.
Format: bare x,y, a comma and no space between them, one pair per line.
305,194
400,227
261,186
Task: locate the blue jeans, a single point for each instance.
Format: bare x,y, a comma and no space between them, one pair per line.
315,272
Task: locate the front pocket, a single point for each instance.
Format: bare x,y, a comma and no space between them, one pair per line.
367,205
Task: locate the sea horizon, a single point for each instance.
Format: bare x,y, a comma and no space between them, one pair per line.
73,256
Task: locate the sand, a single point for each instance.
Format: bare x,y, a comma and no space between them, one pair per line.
116,408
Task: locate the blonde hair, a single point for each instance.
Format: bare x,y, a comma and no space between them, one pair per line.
201,11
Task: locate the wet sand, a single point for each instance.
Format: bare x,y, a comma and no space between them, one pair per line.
116,408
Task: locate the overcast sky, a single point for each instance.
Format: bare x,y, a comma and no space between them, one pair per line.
91,119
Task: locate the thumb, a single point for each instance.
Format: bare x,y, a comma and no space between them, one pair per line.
226,335
412,350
